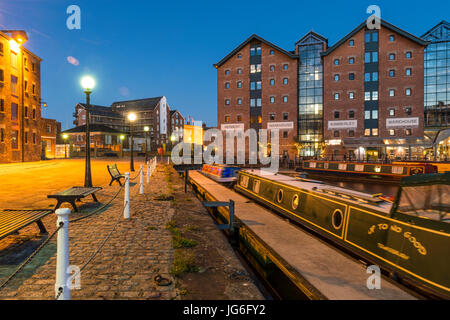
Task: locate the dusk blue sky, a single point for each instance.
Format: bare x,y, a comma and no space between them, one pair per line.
140,48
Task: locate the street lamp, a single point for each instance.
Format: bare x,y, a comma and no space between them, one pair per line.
65,136
131,118
88,83
146,130
122,137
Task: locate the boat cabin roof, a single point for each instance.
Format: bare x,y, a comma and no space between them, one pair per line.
348,195
426,179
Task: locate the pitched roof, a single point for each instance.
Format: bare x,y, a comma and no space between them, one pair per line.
139,104
384,24
92,128
243,44
101,111
440,32
312,34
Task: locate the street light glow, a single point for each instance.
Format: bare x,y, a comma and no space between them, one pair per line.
14,45
122,137
65,136
132,116
146,128
88,83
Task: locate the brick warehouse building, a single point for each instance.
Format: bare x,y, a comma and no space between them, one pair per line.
373,93
353,108
20,100
257,88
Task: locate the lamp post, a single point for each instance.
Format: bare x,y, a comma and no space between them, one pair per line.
172,141
146,130
131,118
88,83
122,137
65,136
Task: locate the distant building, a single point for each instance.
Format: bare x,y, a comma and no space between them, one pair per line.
103,140
50,136
152,112
20,99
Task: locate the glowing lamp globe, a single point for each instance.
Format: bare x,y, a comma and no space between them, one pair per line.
132,116
88,83
14,46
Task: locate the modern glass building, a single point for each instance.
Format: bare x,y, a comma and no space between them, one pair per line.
437,77
310,119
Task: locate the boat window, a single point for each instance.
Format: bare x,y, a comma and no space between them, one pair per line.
295,201
342,166
256,186
337,219
280,195
244,181
432,202
397,170
359,167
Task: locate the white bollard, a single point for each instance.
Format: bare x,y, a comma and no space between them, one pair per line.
62,285
126,211
141,188
148,171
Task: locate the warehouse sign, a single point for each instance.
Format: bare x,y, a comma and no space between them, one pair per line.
234,126
343,124
280,125
402,122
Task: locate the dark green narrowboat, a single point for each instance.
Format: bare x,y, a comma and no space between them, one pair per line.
378,171
409,237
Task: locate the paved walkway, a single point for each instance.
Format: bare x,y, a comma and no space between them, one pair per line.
138,250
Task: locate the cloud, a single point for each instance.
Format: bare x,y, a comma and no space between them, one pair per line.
124,91
73,61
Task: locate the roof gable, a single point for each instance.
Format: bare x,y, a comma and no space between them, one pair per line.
440,32
243,44
384,24
312,38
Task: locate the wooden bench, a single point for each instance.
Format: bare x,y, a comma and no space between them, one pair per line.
114,173
11,221
73,194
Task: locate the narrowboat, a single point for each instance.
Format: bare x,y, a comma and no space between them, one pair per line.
220,173
369,170
408,237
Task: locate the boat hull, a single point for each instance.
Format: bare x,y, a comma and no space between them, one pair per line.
415,250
